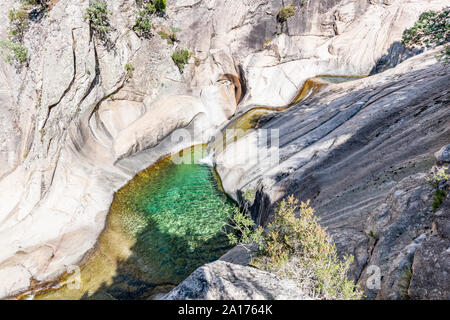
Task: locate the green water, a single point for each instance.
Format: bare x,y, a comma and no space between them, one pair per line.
177,213
165,223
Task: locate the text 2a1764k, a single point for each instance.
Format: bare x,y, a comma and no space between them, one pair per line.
246,309
226,309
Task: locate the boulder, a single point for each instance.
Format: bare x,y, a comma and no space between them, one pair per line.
226,281
443,155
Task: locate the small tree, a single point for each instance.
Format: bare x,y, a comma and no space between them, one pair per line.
143,27
18,24
17,51
294,245
285,13
97,15
438,181
160,6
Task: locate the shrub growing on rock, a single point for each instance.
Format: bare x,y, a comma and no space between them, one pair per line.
18,23
285,13
13,49
170,36
129,68
143,27
297,247
244,230
148,8
181,57
438,182
97,15
160,5
432,29
16,51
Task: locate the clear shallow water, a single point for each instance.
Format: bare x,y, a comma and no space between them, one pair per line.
165,223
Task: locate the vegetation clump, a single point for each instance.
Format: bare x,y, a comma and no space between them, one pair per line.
13,49
244,230
170,36
148,8
154,6
285,13
437,181
160,5
181,57
298,248
143,26
97,15
18,24
129,68
17,52
431,30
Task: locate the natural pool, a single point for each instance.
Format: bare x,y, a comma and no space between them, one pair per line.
165,223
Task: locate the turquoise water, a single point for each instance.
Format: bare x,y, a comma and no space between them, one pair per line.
169,220
177,214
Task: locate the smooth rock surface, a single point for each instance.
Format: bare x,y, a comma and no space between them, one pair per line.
226,281
361,152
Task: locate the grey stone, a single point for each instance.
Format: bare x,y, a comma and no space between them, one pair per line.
221,280
443,155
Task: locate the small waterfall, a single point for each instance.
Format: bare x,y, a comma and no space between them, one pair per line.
208,160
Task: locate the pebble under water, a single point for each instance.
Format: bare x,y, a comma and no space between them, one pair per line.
165,223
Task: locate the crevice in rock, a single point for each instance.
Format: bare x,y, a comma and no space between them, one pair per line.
50,107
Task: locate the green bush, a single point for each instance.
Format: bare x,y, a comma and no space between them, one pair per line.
432,29
171,37
436,180
13,49
33,3
285,13
243,230
181,57
16,51
143,27
97,15
18,24
129,68
438,199
148,8
160,5
300,249
444,56
153,5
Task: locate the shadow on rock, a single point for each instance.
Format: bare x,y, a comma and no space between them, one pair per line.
152,271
